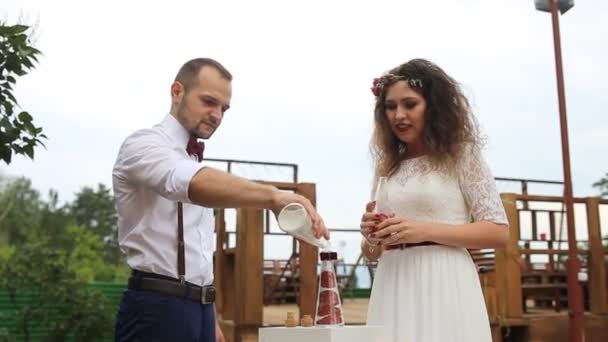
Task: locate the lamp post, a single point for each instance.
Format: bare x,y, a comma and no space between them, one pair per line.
575,296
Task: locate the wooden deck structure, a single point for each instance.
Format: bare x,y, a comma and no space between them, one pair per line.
526,300
513,282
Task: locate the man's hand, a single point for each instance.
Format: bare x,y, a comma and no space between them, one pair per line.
283,198
219,335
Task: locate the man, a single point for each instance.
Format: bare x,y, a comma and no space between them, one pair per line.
163,196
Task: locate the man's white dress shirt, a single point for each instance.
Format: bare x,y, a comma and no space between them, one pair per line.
151,174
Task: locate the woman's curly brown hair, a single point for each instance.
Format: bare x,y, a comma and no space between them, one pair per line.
449,121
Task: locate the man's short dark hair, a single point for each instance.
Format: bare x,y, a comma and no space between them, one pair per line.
188,73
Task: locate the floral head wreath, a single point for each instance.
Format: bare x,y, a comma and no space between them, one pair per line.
380,83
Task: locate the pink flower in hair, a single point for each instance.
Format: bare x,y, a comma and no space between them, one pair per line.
374,88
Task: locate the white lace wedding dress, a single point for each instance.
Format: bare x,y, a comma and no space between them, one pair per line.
433,293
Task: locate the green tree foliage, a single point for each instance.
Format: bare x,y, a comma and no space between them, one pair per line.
50,252
95,210
18,134
85,228
60,300
602,185
20,210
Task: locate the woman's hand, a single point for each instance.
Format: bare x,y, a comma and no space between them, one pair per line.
369,221
398,230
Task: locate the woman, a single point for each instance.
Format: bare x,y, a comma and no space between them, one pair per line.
440,199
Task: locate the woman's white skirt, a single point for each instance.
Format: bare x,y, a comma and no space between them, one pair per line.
428,294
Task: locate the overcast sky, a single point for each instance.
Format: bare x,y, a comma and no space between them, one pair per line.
302,72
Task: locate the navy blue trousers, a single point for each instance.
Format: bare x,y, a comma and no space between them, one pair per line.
155,317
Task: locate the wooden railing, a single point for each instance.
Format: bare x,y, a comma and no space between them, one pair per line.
515,278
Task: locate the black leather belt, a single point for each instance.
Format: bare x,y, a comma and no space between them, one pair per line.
409,245
203,295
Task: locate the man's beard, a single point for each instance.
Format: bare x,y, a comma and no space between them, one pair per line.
194,130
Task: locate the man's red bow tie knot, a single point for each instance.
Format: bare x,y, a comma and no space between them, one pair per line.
195,148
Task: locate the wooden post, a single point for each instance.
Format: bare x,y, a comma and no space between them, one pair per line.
227,299
307,298
508,272
249,265
224,279
219,260
595,264
496,333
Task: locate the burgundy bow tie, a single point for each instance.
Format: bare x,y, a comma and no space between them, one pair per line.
195,148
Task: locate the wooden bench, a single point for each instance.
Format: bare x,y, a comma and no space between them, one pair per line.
555,293
281,281
484,259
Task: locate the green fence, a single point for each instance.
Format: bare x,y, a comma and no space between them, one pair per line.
111,291
8,307
356,293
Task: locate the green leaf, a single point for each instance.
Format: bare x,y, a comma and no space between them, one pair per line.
20,41
6,154
12,134
17,124
29,52
25,117
31,129
8,107
5,122
16,29
10,96
10,79
27,63
12,63
29,150
35,51
39,142
18,149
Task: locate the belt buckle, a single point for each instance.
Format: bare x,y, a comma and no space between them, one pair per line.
207,294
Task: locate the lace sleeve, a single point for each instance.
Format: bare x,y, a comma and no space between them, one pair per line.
479,189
